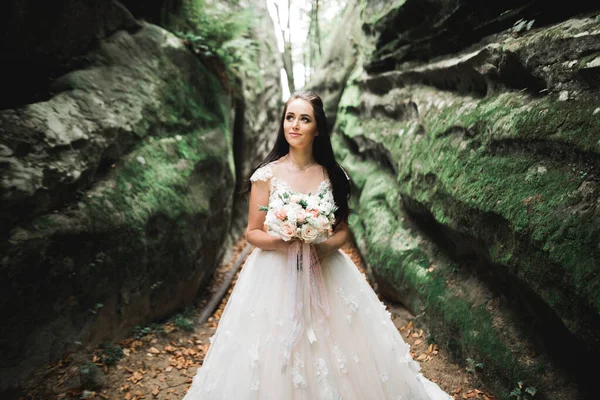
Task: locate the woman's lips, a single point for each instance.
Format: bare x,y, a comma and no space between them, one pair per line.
294,134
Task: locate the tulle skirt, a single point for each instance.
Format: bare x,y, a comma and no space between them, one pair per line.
356,353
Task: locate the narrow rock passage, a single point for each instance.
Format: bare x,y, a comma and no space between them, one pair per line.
159,362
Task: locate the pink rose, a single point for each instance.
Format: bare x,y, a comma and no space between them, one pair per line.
323,221
288,230
281,214
301,217
315,213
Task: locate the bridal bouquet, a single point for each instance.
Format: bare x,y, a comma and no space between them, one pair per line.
302,216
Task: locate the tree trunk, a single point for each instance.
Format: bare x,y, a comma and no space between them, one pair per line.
317,30
288,64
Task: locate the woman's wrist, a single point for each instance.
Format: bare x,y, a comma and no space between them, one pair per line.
278,243
323,249
281,245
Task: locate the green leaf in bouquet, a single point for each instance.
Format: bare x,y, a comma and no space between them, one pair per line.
263,208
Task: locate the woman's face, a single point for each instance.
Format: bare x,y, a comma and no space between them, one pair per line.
299,125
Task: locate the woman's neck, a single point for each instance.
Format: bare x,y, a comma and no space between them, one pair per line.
301,158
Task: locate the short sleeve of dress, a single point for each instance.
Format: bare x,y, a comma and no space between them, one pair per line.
264,173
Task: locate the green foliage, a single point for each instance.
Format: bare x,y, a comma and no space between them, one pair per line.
87,368
183,320
522,392
218,30
473,366
141,331
110,354
96,308
189,312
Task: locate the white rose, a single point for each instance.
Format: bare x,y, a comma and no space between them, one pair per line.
292,210
274,226
309,233
323,222
314,221
295,198
312,202
287,230
301,216
271,219
277,204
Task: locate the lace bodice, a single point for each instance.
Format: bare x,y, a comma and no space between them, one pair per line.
279,188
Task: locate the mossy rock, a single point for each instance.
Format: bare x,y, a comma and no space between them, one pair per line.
132,204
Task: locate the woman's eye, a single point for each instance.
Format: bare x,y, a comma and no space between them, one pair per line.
305,119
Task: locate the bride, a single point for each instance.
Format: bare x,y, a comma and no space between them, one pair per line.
302,322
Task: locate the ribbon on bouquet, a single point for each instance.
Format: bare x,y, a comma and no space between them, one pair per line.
305,269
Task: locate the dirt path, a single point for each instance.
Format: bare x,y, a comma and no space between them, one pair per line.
160,362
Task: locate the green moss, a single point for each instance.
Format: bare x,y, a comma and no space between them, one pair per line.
536,194
571,122
495,168
466,329
154,179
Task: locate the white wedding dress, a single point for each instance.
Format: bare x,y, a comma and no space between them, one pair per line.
356,353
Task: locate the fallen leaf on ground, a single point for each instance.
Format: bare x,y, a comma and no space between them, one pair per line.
136,377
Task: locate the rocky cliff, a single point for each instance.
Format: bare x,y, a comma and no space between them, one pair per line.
472,136
118,174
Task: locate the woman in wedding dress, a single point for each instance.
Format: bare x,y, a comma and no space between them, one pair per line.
302,322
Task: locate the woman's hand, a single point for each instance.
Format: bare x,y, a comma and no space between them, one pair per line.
282,245
322,250
335,242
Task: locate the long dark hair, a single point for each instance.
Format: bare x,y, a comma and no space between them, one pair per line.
322,152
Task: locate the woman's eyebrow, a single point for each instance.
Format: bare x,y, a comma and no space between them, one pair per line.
302,115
